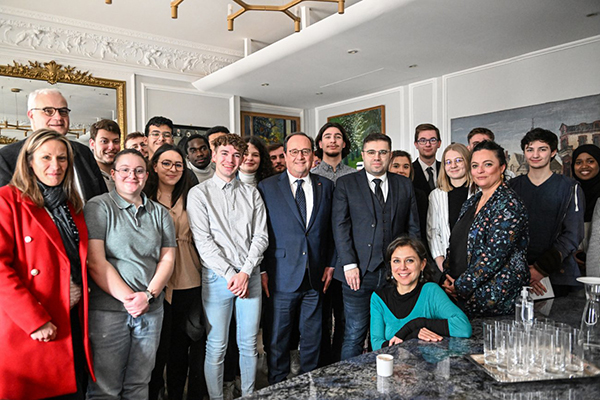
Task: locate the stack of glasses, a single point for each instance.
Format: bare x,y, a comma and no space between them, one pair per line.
544,348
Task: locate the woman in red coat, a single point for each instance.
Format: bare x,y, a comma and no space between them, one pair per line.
43,276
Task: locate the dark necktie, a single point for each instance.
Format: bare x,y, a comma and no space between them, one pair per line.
430,180
378,191
301,200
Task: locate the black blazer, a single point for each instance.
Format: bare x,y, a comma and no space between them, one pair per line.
355,222
420,180
88,173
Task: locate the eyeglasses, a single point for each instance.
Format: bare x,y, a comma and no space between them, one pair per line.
50,111
125,172
165,135
382,153
424,141
295,152
169,164
457,160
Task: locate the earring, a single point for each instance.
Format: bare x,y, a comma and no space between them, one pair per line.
421,276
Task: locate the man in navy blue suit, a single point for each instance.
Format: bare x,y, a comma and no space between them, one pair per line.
298,264
370,209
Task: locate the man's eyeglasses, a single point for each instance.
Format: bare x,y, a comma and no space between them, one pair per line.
457,160
382,153
168,165
165,135
295,152
50,111
424,141
125,172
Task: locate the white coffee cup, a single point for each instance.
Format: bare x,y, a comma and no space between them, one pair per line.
385,365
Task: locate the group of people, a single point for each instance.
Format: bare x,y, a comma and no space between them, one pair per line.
116,264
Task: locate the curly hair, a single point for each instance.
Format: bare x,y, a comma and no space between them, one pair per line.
265,167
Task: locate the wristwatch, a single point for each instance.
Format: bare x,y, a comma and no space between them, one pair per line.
150,296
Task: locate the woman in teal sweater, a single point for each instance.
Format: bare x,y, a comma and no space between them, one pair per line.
410,307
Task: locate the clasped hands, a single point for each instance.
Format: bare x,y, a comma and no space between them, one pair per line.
424,334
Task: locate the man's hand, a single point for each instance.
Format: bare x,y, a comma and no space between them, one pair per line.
448,286
429,336
136,304
264,281
537,287
238,285
394,340
353,278
45,333
327,277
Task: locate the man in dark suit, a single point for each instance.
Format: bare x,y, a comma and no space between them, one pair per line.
298,264
370,209
47,108
427,142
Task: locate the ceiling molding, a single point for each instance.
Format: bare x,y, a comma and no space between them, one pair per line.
112,30
77,43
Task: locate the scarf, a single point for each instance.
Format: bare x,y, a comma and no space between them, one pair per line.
55,201
590,187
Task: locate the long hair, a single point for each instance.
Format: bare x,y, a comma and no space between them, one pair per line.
182,187
417,246
25,179
265,167
443,179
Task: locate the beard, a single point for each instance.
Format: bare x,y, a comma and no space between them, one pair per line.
332,154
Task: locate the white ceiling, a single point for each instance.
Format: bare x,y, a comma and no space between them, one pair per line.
439,36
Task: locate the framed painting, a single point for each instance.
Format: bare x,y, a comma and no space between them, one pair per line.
575,122
358,124
185,131
272,128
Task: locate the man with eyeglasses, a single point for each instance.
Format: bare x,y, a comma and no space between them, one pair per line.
159,130
298,264
370,209
47,108
105,142
426,167
137,141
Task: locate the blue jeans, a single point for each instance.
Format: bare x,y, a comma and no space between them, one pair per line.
357,308
219,304
124,351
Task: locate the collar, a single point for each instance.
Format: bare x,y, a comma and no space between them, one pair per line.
206,170
371,177
124,204
221,183
425,166
293,179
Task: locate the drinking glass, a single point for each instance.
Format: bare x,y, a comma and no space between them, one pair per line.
517,352
489,342
557,348
574,351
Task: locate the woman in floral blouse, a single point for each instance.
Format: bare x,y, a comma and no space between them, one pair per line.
486,266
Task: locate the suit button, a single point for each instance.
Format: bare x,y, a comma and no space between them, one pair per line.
303,253
369,245
35,272
372,225
28,239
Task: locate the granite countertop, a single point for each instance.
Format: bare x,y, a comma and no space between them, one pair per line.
434,370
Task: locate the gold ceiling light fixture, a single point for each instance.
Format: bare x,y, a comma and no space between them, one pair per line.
285,8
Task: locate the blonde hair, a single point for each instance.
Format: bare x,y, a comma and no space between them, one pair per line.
25,179
443,179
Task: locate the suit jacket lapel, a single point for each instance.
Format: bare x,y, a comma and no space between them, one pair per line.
393,194
317,194
365,190
286,190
